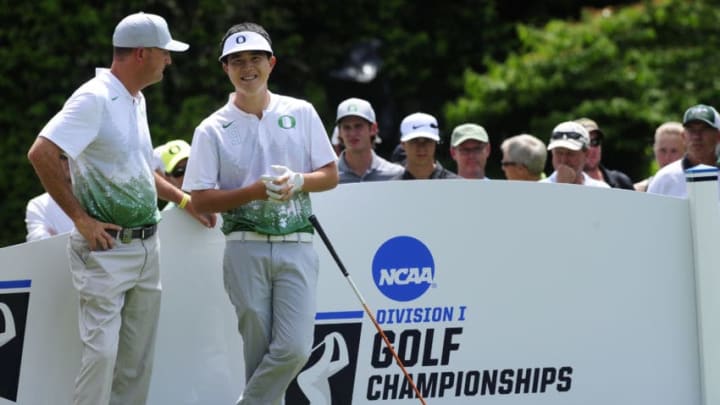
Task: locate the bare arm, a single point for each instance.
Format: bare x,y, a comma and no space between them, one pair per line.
322,179
168,192
45,158
213,200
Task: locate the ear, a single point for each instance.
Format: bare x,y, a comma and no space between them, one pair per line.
273,61
225,67
453,153
487,150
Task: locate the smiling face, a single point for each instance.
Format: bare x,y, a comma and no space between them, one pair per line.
249,71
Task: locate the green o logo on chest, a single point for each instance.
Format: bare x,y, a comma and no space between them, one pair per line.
286,122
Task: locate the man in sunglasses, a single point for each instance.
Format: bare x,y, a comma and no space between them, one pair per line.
593,163
701,125
569,144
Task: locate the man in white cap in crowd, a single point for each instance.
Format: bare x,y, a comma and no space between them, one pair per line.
256,160
470,148
358,130
112,201
419,136
569,143
701,125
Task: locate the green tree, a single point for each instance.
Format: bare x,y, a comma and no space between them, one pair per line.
630,69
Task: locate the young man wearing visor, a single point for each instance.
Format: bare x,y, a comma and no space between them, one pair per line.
255,160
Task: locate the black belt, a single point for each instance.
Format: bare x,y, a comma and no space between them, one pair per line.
126,235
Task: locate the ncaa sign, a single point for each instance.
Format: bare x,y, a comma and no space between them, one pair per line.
403,268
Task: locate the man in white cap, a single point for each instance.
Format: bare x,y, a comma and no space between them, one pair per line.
701,125
256,160
112,201
358,130
419,136
470,148
569,143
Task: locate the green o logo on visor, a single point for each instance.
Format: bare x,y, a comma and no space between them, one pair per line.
286,121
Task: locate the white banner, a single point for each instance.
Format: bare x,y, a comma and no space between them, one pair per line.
504,292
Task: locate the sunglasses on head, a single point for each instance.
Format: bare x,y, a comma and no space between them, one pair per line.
178,172
566,135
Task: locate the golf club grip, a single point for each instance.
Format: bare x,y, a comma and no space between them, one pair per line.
316,224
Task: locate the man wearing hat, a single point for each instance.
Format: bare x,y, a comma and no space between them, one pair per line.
701,124
569,144
174,157
419,136
470,148
256,160
593,163
112,201
358,130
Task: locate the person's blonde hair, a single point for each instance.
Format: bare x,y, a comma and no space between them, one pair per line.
669,128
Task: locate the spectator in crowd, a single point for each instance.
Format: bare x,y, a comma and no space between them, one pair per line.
358,131
470,148
701,125
524,158
336,141
44,217
174,160
668,147
157,162
398,154
419,136
569,143
113,250
255,160
593,163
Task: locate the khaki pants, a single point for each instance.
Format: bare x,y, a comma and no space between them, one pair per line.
273,287
119,306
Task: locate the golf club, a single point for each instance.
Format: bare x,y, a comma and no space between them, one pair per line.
316,224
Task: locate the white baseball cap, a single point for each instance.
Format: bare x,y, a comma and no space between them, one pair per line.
570,135
244,41
356,107
419,125
142,30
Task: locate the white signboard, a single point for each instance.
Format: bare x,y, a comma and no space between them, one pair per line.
491,292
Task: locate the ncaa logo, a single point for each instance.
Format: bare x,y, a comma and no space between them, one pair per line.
403,268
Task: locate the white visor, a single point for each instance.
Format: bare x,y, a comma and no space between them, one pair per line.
244,41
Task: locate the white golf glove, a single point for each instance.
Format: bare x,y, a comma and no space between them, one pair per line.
282,175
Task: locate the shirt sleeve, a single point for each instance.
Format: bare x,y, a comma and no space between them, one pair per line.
203,167
321,150
76,125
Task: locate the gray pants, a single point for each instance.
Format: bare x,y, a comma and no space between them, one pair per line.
273,288
118,315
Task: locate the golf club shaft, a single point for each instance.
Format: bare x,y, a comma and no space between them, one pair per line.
316,224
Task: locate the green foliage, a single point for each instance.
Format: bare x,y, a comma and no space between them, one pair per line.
630,69
429,52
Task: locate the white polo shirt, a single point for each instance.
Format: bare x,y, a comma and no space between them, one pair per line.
670,180
44,218
231,149
104,131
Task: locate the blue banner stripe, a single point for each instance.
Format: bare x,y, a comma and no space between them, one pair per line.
15,284
320,316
